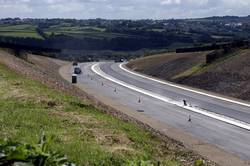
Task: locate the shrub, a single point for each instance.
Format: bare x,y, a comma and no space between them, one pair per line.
199,163
16,153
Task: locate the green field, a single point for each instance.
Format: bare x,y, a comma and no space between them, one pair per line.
20,34
81,32
23,30
75,29
20,27
86,135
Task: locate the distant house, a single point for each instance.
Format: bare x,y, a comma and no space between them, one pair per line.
239,24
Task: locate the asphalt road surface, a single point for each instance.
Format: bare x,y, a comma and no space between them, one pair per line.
164,103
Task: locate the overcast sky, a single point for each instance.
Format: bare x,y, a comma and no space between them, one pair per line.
122,9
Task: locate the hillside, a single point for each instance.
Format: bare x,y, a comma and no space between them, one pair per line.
41,101
228,76
95,39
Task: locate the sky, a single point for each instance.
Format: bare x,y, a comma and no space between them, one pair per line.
123,9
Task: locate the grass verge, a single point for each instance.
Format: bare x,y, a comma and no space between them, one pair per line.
190,71
86,135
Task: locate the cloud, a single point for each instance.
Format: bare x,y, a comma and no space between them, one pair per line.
127,9
170,2
14,8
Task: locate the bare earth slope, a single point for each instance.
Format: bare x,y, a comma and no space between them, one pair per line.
166,65
229,76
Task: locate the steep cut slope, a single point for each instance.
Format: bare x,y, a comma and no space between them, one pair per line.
228,76
167,65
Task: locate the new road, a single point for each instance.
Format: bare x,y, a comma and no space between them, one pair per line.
217,120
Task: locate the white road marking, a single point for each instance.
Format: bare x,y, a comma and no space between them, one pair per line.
96,69
183,88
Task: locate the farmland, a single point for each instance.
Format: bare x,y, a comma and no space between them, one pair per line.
29,31
23,30
113,39
81,32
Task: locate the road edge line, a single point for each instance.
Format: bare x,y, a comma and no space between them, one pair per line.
207,113
181,87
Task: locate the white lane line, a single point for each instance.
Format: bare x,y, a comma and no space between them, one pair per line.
96,69
181,87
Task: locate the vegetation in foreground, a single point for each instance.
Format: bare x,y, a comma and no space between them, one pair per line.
15,153
86,135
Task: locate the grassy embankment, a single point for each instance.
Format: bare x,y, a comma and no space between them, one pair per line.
76,129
